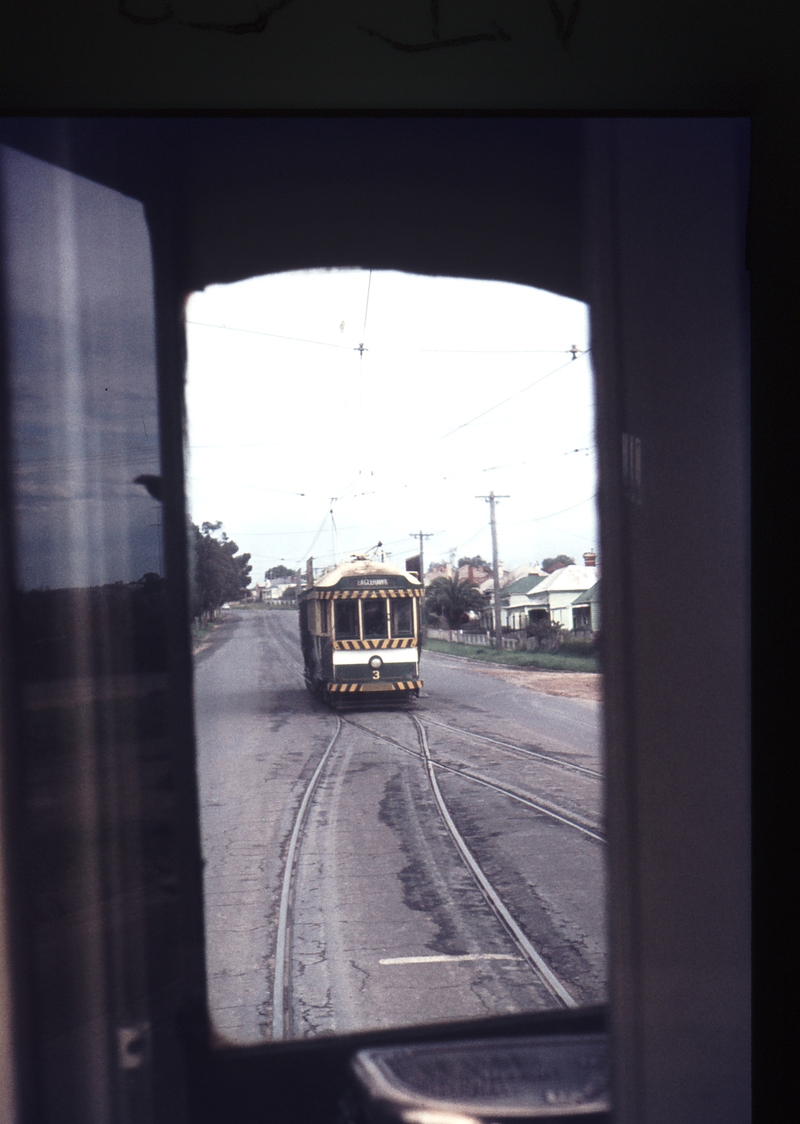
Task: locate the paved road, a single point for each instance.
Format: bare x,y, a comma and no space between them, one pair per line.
388,924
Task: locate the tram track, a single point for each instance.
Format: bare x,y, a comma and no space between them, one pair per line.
281,990
282,986
353,901
549,809
546,759
537,963
546,809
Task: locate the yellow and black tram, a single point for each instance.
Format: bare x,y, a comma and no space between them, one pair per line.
360,632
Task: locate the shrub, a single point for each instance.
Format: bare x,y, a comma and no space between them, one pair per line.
577,647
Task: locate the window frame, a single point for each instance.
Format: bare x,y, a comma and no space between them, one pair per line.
624,399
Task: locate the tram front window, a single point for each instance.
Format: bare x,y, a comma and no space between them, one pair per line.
374,917
402,618
345,616
375,620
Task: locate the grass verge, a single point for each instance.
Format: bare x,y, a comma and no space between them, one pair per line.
202,632
545,661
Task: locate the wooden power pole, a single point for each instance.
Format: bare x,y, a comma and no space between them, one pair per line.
421,536
492,499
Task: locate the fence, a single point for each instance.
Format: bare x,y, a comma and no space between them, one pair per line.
459,636
518,643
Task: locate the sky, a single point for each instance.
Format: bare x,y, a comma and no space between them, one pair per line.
303,444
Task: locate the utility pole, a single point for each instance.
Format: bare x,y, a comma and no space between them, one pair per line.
421,535
492,499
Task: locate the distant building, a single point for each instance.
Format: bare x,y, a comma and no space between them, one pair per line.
270,590
438,570
524,571
475,575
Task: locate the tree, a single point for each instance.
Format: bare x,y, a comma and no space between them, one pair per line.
450,598
219,574
477,561
279,572
551,564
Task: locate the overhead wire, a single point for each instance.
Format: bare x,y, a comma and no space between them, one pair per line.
270,335
516,394
384,350
573,352
552,515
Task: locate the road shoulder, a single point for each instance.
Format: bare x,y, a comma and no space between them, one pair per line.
567,684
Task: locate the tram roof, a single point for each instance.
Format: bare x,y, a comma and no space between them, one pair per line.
364,568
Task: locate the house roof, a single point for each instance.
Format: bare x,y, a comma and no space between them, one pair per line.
568,578
521,586
588,596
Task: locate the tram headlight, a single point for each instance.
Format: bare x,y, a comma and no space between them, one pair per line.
375,662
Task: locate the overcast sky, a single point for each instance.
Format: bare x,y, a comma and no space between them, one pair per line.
463,387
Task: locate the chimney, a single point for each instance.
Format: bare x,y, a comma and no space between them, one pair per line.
590,558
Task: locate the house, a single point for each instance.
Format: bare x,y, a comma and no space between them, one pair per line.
523,571
438,570
475,575
270,590
515,601
561,597
586,610
554,596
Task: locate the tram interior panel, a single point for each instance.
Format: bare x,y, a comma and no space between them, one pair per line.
104,983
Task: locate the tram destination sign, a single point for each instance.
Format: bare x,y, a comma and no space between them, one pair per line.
392,581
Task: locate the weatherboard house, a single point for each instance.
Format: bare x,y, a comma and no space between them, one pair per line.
269,590
553,597
515,601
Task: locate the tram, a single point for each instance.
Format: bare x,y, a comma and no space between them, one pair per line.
360,633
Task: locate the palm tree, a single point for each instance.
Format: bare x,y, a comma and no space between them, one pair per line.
450,598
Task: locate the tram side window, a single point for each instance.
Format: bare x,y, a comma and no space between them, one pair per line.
318,617
376,620
345,619
402,618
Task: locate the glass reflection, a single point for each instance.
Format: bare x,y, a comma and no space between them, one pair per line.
97,775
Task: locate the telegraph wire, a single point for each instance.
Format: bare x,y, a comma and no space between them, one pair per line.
271,335
516,394
386,350
553,514
366,306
